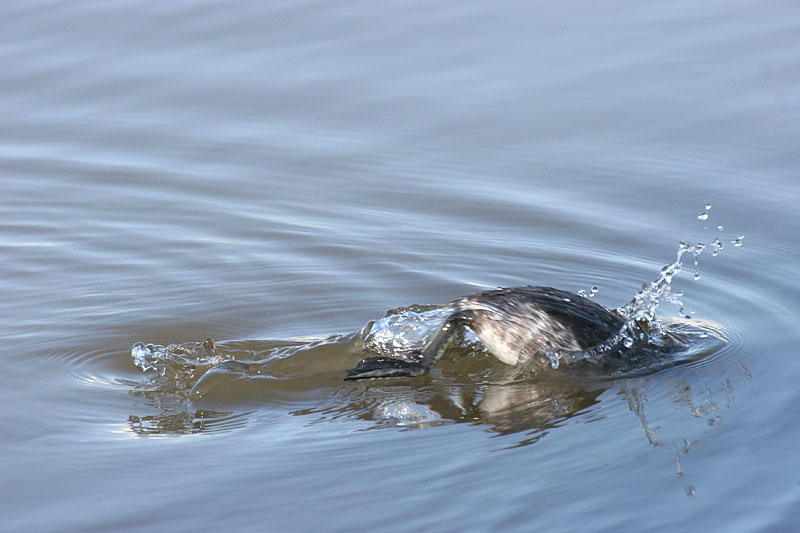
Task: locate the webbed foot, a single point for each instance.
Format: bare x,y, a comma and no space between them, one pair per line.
385,367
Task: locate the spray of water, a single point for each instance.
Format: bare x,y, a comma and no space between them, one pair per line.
641,324
640,313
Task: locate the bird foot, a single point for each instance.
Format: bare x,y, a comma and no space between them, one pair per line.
385,367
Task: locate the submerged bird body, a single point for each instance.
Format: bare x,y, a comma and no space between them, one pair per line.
514,324
522,322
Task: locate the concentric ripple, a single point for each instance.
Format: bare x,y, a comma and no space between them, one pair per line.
304,375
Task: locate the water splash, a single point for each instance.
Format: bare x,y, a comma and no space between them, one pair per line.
405,329
642,326
180,360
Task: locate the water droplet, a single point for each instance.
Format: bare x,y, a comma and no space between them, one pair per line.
555,358
145,357
627,342
737,241
720,227
703,216
708,206
689,490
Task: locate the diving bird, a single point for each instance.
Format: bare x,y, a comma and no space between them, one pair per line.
514,324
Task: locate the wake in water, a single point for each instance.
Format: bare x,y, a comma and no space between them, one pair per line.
310,371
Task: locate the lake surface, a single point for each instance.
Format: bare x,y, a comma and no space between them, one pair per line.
277,176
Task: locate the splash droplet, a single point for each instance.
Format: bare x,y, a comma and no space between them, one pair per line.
554,357
144,357
708,206
737,241
703,216
627,342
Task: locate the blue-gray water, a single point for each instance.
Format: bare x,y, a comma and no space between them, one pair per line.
270,174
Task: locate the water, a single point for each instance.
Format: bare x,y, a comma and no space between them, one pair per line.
279,176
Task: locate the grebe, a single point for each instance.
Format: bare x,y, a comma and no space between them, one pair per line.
513,324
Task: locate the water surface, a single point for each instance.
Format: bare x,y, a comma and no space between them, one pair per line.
277,176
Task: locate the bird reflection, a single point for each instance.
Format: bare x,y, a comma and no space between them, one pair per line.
504,404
